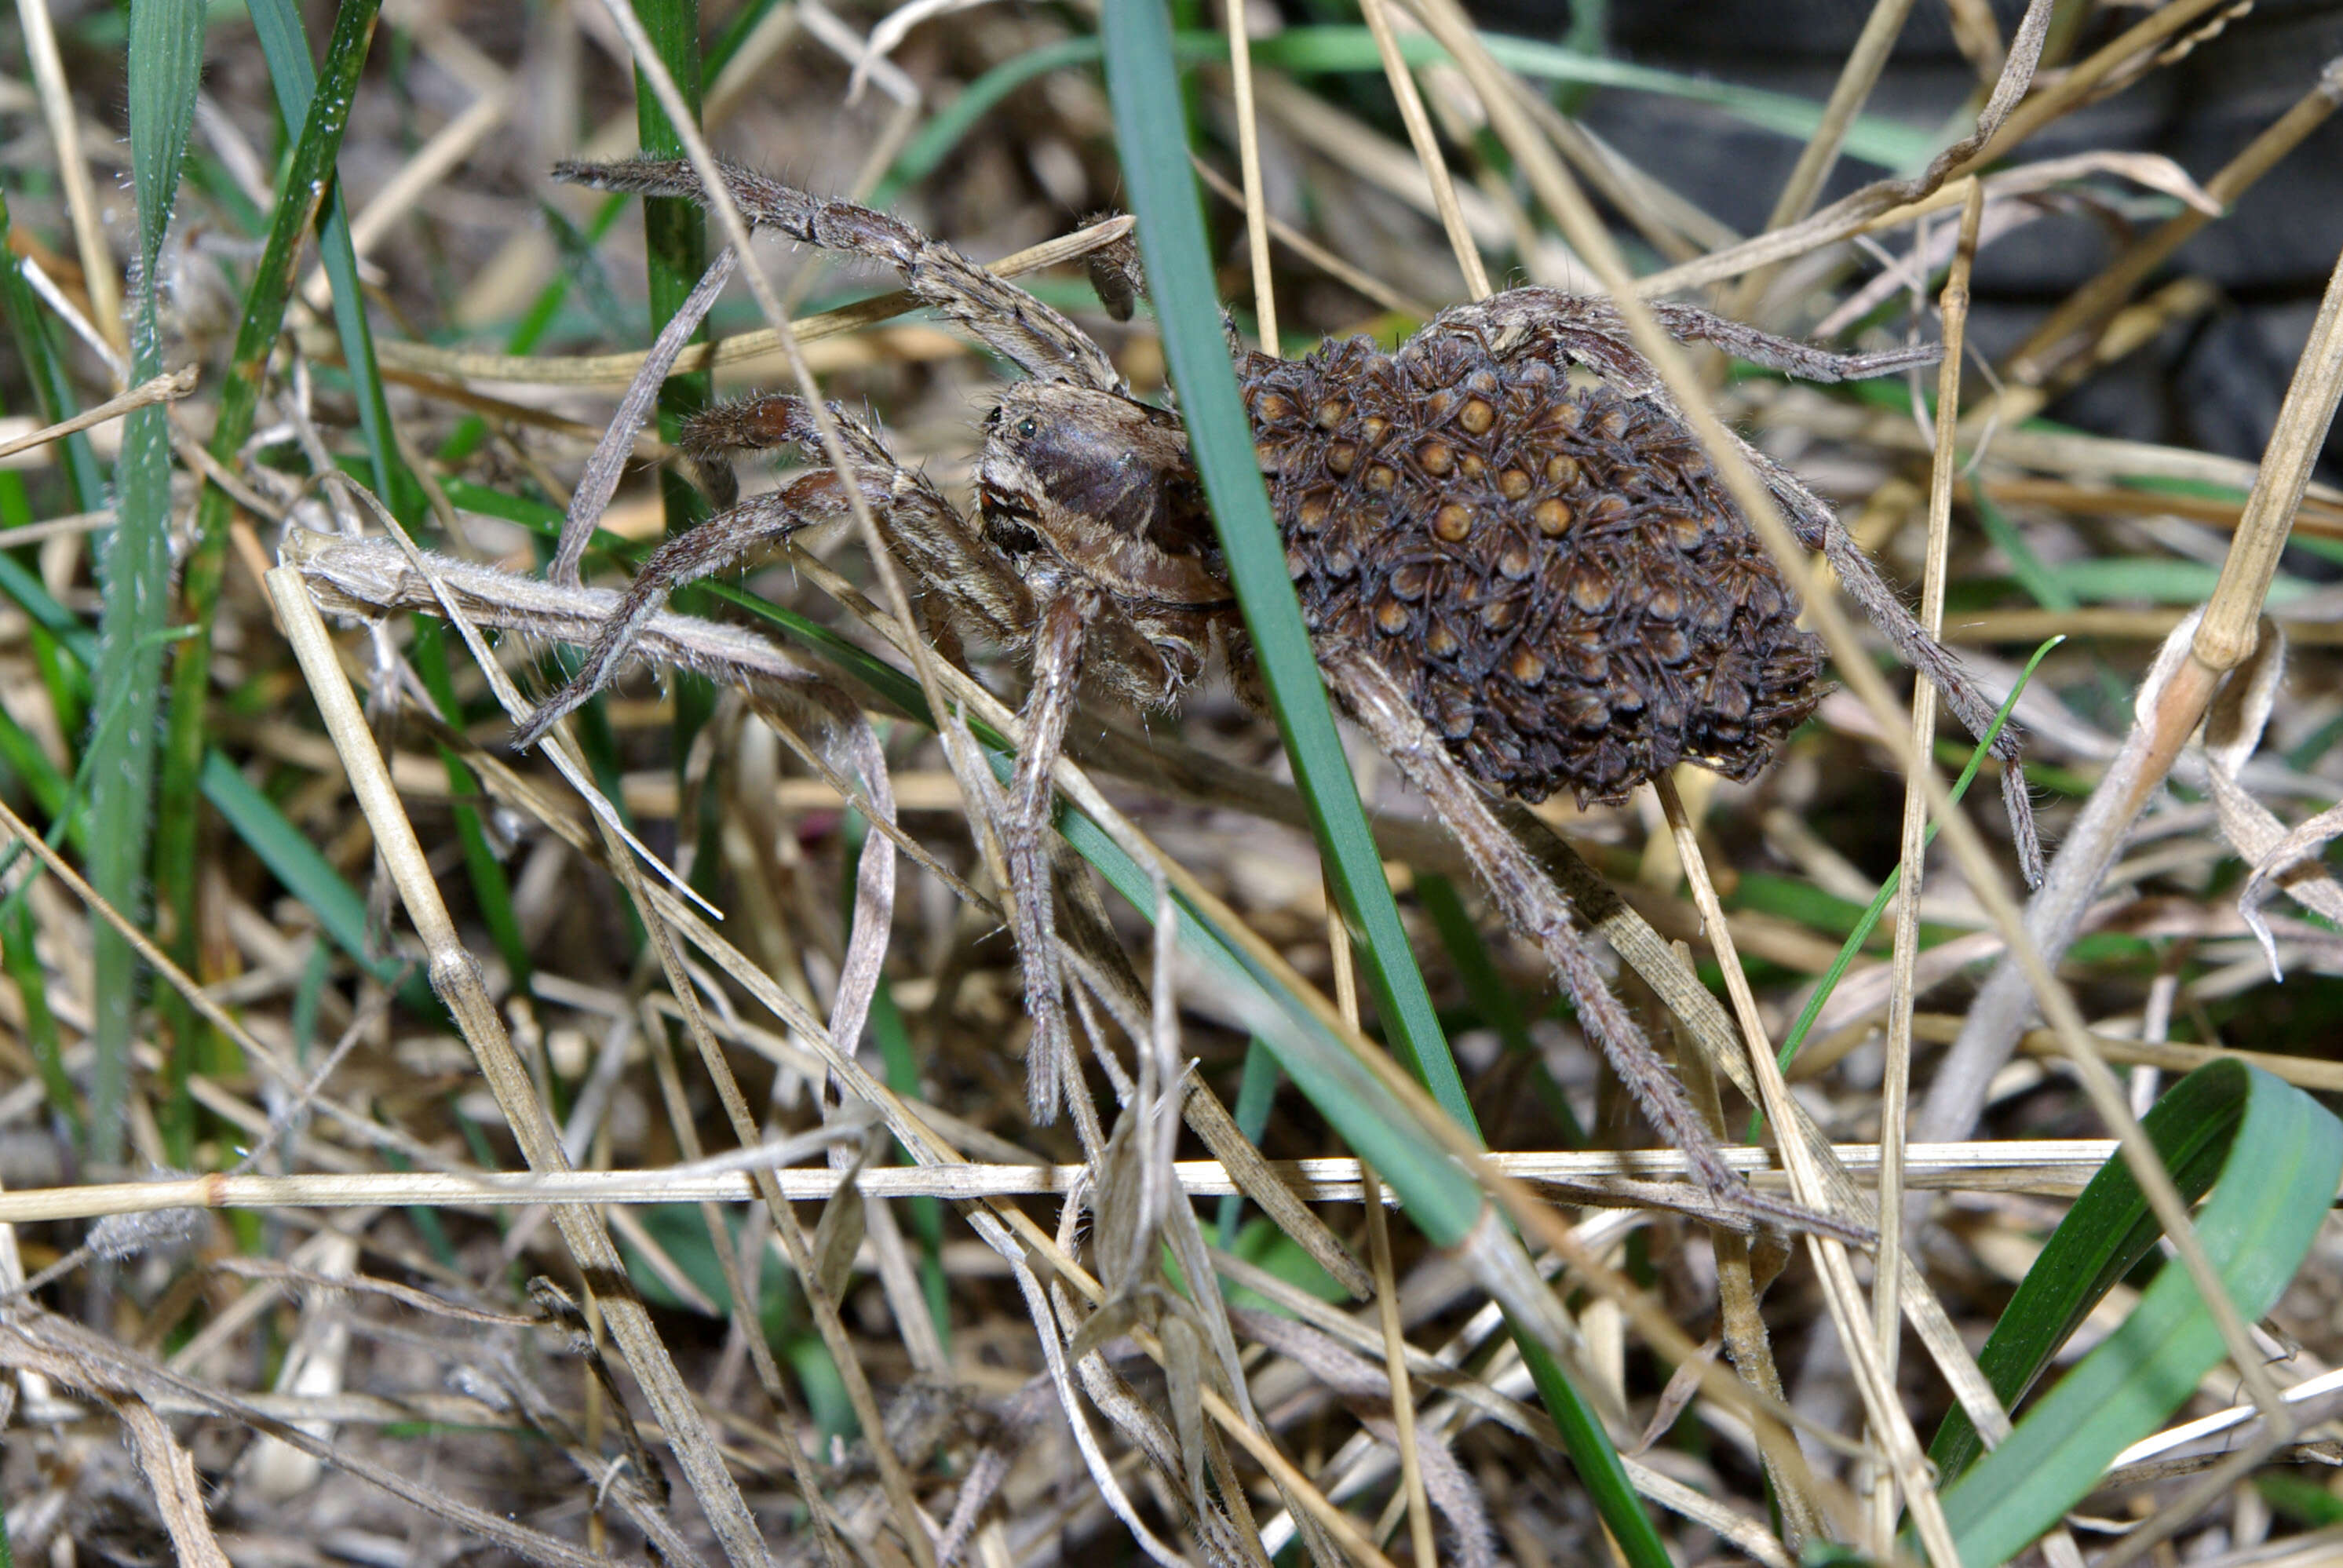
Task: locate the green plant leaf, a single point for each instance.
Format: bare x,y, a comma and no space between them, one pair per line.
2272,1156
308,182
1869,919
166,66
1144,84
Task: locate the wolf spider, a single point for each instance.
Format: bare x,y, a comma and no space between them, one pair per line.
1517,579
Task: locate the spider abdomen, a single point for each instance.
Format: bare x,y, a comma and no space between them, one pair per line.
1551,570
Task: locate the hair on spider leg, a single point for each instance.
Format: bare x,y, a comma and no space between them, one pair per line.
1518,569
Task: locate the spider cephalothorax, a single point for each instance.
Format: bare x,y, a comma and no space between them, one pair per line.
1520,572
1087,492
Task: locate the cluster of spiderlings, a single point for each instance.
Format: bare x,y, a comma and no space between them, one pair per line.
1552,570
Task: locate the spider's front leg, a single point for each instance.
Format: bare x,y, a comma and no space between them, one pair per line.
1536,908
922,527
1011,322
1025,846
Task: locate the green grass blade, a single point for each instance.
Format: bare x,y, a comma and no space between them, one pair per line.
1870,918
1142,84
28,326
1144,88
278,25
2279,1155
166,66
308,180
674,241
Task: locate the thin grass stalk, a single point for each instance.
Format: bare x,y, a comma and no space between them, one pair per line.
1583,229
2039,1166
73,169
1740,1321
2080,84
1379,1258
1883,204
308,177
166,65
276,24
1420,136
1887,1309
456,977
168,386
282,848
1264,284
2030,365
1891,1427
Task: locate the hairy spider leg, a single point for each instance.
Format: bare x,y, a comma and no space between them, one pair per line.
1025,847
1536,908
998,314
938,545
922,527
721,542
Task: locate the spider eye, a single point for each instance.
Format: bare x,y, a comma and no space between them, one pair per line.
1028,429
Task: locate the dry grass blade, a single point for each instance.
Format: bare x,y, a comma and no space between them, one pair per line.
160,389
98,277
1632,1179
1891,1426
456,977
1894,1090
1428,155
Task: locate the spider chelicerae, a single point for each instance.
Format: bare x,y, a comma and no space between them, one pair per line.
1520,572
